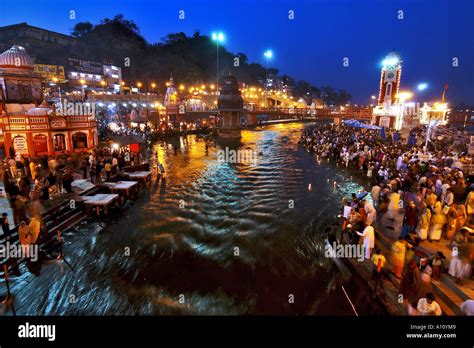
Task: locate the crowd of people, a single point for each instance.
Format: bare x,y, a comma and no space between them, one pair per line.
424,189
34,182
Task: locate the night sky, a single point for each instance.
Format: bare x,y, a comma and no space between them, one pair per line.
311,46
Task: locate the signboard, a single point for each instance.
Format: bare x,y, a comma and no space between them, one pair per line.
57,122
85,66
20,145
48,72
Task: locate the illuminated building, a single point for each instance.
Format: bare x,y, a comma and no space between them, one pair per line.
434,114
391,106
27,129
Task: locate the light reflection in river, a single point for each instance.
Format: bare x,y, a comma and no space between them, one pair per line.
213,238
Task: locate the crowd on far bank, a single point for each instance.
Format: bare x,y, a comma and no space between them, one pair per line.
424,190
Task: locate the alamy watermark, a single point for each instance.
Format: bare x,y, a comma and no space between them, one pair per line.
245,156
349,251
66,108
9,250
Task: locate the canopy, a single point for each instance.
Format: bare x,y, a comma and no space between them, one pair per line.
358,124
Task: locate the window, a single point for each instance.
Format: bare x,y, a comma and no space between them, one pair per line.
59,142
79,140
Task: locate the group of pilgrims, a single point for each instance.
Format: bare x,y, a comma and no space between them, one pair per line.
423,188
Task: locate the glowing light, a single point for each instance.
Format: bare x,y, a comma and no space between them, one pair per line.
153,85
422,86
391,61
404,95
218,36
268,54
139,84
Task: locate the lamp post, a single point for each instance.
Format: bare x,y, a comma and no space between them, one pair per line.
373,100
268,54
153,86
217,37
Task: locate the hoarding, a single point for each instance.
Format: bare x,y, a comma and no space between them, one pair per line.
84,66
48,72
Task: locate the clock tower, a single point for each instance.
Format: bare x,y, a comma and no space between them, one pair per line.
390,80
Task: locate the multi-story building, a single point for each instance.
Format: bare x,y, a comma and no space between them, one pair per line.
28,35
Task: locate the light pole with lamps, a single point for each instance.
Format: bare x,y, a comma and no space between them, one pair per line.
217,37
268,54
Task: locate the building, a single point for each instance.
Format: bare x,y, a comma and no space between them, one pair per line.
18,81
85,74
231,105
462,119
30,36
27,129
112,77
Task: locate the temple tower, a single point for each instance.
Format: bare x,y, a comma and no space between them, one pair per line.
230,105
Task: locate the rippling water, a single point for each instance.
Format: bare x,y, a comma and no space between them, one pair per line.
212,238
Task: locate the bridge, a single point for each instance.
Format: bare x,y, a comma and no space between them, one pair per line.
274,114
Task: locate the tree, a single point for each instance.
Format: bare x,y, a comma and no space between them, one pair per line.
82,28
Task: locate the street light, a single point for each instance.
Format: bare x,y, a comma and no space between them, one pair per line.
139,84
422,86
217,37
373,98
268,54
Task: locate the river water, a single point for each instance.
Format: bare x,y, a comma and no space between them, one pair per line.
213,238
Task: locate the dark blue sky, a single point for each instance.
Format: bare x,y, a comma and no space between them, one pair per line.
311,46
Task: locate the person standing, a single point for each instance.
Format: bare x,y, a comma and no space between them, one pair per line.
5,226
397,256
33,170
369,240
410,219
108,170
378,264
424,223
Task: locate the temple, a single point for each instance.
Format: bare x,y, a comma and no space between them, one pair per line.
29,129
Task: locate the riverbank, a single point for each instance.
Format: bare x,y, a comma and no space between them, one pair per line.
449,293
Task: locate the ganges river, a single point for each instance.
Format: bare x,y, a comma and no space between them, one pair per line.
213,239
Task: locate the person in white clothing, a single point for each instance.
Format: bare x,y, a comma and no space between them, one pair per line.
369,240
428,306
371,213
